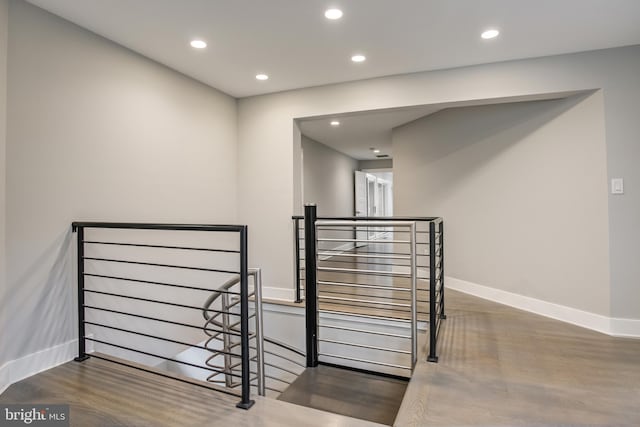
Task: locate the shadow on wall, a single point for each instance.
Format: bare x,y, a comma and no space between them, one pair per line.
523,190
487,131
42,316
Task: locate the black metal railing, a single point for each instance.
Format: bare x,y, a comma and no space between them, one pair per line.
139,296
372,279
436,285
422,227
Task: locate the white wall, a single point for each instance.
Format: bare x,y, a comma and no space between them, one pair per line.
269,146
4,21
328,178
523,189
97,132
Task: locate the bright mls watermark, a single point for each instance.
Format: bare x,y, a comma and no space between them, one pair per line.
34,415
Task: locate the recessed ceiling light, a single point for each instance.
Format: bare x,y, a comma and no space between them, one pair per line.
335,123
490,34
333,14
198,44
358,58
376,151
262,77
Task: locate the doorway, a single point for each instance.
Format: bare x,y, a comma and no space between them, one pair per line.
373,198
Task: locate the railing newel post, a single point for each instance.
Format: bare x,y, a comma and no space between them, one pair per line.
257,291
442,313
414,295
82,353
433,328
245,402
311,287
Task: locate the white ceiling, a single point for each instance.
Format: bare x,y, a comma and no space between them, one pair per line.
358,132
292,41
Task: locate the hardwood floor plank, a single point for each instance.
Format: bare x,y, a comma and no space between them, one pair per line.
101,393
503,366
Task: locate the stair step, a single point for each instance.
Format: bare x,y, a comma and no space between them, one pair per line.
341,391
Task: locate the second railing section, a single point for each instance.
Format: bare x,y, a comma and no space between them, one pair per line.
368,285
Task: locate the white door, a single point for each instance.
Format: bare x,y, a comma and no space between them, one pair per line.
372,203
361,203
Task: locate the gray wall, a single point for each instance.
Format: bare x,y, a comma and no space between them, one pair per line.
4,24
97,132
375,164
523,190
328,178
269,144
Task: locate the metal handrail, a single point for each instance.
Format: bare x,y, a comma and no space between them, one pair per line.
224,287
226,326
374,218
228,369
150,226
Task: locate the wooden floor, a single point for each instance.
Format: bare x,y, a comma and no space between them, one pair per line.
355,394
505,367
498,367
102,394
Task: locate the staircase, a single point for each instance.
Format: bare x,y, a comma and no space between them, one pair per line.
274,364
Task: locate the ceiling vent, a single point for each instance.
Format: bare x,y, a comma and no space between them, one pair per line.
382,156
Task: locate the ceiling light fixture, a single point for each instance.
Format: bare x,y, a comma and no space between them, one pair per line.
198,44
333,14
262,77
335,123
358,58
376,151
490,34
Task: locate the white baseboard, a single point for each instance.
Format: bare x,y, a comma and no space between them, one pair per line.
625,328
31,364
629,328
283,294
283,308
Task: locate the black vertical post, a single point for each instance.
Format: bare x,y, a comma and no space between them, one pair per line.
296,243
246,402
82,353
442,314
433,328
310,285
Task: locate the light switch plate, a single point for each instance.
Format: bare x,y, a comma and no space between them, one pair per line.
617,186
